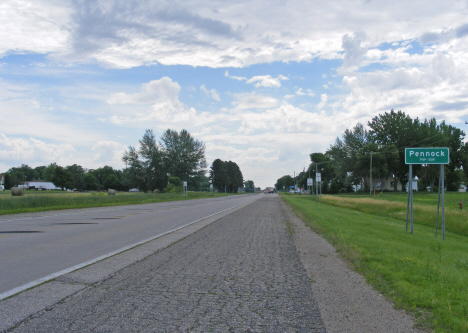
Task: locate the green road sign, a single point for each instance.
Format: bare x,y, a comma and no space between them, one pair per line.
427,156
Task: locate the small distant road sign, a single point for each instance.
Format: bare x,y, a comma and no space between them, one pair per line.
310,182
427,156
185,184
318,177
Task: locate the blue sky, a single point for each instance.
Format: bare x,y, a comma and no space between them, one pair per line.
261,83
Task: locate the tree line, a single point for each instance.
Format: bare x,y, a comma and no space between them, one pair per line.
226,176
347,161
177,154
72,176
153,165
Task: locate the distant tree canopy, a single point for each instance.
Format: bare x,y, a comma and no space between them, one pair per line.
347,161
178,154
284,183
226,175
249,186
148,167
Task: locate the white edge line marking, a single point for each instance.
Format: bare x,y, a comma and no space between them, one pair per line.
32,284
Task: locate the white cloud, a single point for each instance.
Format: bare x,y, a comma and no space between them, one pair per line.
17,151
353,50
107,153
210,93
238,78
156,90
323,101
267,81
128,34
437,89
253,101
308,92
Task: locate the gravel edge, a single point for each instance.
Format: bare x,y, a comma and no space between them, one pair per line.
347,303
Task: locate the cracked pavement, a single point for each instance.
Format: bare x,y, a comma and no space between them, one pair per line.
241,273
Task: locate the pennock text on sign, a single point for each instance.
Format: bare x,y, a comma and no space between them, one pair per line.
427,155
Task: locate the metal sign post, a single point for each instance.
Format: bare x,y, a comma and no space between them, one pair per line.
211,188
185,189
318,182
427,156
310,183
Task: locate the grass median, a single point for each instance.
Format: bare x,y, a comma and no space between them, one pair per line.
418,272
38,201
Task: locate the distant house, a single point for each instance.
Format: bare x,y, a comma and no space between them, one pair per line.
40,185
2,182
387,183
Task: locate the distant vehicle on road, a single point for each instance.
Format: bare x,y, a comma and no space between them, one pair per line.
270,190
133,190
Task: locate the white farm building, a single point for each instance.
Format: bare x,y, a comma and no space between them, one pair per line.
40,185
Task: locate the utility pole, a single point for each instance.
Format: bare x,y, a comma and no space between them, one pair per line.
370,185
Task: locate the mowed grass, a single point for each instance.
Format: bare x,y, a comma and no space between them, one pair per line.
37,201
424,208
418,272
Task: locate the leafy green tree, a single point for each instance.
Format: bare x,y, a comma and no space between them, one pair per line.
284,183
174,185
62,178
21,174
77,171
152,161
135,174
7,181
249,186
183,156
48,173
90,182
219,174
226,176
453,139
37,172
236,179
112,182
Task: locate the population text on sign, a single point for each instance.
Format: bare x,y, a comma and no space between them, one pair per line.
427,156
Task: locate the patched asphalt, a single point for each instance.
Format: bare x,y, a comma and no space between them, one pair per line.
241,273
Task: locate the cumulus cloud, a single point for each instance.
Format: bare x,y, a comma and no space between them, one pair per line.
238,78
210,93
17,151
267,81
253,101
157,103
430,90
308,92
323,101
131,33
353,50
156,90
445,35
107,153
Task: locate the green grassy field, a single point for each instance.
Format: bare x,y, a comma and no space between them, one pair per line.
37,201
425,275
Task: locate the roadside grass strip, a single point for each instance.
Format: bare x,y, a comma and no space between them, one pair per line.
417,272
424,208
33,201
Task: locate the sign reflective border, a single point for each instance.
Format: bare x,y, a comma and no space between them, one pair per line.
427,156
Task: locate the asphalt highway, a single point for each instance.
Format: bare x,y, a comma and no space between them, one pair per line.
241,273
37,247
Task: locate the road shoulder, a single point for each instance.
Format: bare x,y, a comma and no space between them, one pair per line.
25,304
347,303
